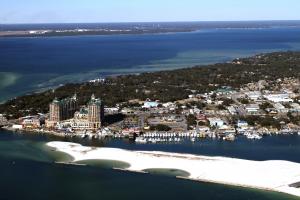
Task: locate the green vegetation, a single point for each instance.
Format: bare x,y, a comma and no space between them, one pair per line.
265,105
264,121
191,120
244,101
166,85
294,118
226,101
160,127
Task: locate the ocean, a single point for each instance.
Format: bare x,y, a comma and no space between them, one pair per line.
33,64
28,170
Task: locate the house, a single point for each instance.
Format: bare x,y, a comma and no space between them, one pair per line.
280,108
254,95
31,122
242,124
227,129
232,110
252,109
295,107
17,126
201,117
272,111
171,106
150,104
203,129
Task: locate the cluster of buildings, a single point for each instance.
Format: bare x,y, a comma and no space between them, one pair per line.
66,114
225,111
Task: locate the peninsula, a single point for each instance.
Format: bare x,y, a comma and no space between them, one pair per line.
252,97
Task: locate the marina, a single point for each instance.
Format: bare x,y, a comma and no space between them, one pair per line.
277,147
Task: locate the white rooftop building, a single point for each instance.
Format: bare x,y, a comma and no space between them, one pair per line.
232,110
254,95
252,108
150,104
295,107
242,124
279,98
217,122
280,108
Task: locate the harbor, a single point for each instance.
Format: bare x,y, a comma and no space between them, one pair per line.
159,136
276,147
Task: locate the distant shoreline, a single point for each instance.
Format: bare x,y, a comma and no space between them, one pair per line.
53,33
136,28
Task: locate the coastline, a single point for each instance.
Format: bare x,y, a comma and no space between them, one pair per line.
274,176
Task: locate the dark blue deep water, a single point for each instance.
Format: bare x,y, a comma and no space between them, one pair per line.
27,169
28,64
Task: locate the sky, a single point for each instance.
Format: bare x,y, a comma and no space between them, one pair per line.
76,11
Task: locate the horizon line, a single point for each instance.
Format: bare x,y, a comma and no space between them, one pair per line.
129,22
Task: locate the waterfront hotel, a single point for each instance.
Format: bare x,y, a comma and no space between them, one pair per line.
62,109
63,112
95,113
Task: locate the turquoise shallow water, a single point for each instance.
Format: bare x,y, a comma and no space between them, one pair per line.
28,172
40,63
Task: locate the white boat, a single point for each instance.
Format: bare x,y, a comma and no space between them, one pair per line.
141,140
253,136
230,137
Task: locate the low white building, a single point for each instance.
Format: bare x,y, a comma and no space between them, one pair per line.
295,107
216,122
150,104
170,105
127,111
113,110
254,95
232,110
31,122
242,124
17,126
252,108
279,98
280,108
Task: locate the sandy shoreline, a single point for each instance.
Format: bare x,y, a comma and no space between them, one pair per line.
266,175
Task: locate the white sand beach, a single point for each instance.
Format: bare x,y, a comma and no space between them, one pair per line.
267,175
